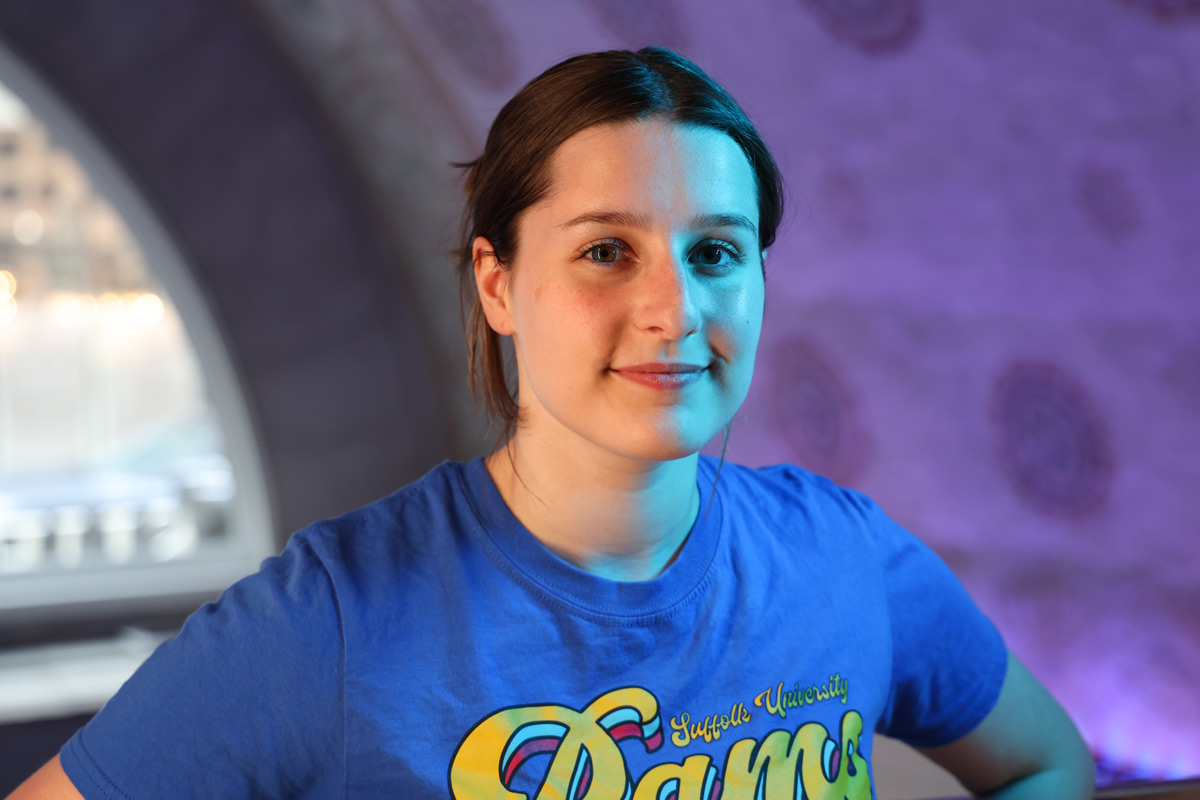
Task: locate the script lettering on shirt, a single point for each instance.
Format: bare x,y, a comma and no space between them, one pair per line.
798,696
709,728
586,761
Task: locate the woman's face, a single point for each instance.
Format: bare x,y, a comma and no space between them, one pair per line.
635,298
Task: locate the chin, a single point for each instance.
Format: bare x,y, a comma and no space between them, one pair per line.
656,444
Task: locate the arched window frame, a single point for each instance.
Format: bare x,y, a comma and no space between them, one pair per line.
70,594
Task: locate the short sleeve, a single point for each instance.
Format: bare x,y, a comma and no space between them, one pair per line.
246,701
948,658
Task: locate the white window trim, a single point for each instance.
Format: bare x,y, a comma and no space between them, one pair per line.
251,521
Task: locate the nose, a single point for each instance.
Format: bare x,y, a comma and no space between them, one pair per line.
666,298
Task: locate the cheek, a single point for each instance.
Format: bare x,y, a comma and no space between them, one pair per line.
753,319
569,326
739,319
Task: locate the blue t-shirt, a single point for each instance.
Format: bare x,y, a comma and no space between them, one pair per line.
427,645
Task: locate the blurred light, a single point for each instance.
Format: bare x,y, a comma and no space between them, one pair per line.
73,310
8,283
147,310
118,526
28,227
214,486
1149,762
159,514
22,541
70,527
172,529
8,309
1182,767
13,113
112,308
1133,749
175,542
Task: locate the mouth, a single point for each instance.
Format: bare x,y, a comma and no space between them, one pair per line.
671,377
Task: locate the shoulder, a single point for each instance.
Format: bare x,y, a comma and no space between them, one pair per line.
378,552
408,519
790,489
809,515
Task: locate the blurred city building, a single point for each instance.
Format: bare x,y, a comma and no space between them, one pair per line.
112,457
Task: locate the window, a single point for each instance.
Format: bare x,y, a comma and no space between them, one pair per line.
118,481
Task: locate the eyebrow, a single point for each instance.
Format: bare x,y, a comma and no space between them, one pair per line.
628,219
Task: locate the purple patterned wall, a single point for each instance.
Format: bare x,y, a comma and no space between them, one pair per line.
983,307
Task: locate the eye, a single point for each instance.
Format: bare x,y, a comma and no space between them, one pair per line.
605,252
716,253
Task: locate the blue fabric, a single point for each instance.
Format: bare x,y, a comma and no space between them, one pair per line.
428,646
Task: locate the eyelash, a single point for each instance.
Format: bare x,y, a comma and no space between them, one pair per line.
735,255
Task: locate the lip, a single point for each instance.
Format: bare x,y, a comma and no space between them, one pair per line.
659,375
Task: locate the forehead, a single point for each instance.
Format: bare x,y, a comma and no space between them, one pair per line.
651,167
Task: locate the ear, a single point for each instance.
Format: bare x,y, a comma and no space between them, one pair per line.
491,280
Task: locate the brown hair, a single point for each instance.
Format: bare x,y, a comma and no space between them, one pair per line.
512,174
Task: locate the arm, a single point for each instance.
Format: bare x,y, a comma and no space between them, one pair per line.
1024,749
48,783
244,701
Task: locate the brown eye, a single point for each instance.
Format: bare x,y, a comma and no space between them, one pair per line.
605,253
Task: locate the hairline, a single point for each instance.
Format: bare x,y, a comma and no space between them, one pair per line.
666,115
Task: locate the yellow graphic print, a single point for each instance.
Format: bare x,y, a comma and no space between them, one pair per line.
586,762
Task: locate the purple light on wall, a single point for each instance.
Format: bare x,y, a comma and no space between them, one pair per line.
1051,440
1107,201
1167,10
471,33
840,194
639,24
815,410
873,26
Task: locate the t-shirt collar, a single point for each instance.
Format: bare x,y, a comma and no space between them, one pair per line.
528,560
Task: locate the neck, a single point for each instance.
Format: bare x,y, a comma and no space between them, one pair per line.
613,517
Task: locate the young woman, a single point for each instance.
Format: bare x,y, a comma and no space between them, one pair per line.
594,611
